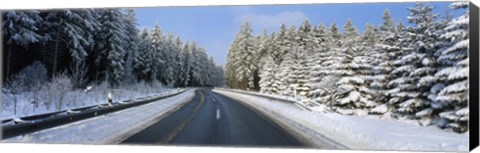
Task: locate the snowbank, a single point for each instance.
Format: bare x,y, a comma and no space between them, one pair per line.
356,132
109,128
72,99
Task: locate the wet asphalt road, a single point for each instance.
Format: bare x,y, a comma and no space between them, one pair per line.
210,119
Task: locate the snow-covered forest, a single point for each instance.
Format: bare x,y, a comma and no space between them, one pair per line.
64,51
416,71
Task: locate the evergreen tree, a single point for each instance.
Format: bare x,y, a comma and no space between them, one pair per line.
414,75
353,70
320,37
267,76
326,73
170,63
246,60
452,90
229,66
179,66
143,67
386,52
280,47
95,45
20,28
201,68
307,44
196,67
287,68
114,50
157,59
270,67
132,46
187,64
69,30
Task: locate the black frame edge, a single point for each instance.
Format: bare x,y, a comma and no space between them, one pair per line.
474,76
2,58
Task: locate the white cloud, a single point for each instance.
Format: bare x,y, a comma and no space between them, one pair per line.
271,22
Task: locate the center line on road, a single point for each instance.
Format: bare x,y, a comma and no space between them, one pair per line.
218,114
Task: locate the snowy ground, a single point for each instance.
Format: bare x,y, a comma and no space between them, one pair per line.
48,101
110,128
357,132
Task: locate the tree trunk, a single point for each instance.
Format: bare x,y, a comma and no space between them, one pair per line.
15,105
55,56
44,56
96,73
9,62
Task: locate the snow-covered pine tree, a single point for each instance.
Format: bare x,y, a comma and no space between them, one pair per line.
334,54
195,64
269,68
402,44
320,35
246,55
202,67
229,66
335,36
143,67
287,68
367,58
187,64
112,28
353,70
327,71
219,80
267,76
96,58
386,51
369,37
179,69
263,46
157,59
211,72
170,62
232,64
415,74
20,28
281,46
69,30
81,71
306,44
441,44
452,90
131,46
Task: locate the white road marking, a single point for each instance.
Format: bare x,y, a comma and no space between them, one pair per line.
218,114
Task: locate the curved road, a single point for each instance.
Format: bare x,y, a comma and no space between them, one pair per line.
215,120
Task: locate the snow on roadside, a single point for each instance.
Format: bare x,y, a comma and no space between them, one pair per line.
74,99
265,94
324,108
361,132
109,128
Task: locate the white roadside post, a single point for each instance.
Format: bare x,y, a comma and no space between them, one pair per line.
110,103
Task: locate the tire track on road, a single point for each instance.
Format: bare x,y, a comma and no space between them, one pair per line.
182,125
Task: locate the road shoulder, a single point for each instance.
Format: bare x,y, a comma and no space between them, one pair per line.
109,128
357,132
301,132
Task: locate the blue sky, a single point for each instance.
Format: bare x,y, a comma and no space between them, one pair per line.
214,27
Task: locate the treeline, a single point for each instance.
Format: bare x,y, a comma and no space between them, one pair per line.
96,45
419,71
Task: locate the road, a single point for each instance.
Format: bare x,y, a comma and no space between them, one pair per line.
215,120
